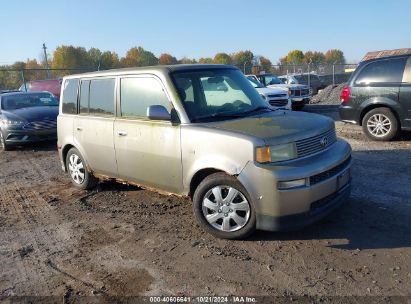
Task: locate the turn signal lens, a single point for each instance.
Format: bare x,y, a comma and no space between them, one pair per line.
262,154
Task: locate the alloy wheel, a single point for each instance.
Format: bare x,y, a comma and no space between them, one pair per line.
76,169
226,208
379,125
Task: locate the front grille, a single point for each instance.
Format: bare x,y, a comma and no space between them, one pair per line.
316,143
305,92
279,102
295,93
41,125
277,95
315,179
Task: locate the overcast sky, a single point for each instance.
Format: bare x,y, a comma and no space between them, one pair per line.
201,28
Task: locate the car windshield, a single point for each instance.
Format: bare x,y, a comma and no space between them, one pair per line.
272,79
217,94
19,101
255,83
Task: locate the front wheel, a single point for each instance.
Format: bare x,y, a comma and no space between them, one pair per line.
76,167
224,208
3,145
380,124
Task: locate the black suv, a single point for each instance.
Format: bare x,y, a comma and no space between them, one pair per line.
378,97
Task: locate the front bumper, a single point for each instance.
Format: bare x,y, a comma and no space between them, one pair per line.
300,101
294,208
20,137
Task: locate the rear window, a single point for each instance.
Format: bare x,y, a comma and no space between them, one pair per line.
382,71
69,102
101,97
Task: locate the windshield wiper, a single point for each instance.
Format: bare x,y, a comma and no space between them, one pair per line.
258,109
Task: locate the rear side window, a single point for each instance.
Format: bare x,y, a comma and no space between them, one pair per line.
84,96
101,97
138,93
382,71
69,102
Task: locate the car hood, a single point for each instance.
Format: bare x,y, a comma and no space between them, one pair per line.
279,126
269,91
32,113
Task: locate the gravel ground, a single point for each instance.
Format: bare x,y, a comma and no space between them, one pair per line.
331,95
122,240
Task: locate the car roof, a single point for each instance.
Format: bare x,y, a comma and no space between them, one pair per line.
165,69
384,58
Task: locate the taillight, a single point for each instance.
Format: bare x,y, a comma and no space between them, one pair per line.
345,94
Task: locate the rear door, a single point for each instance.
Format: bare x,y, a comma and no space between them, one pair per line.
93,127
405,94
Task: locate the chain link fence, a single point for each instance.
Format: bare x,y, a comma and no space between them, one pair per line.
333,74
14,79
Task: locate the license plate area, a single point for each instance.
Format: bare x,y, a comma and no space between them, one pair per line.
343,179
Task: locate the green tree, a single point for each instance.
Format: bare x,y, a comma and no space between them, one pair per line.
222,58
334,56
167,59
70,57
315,58
265,64
138,56
109,60
295,57
205,60
94,55
186,60
243,60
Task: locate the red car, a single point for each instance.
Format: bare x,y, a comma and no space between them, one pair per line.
50,85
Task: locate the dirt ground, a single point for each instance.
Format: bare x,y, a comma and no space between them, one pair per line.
122,240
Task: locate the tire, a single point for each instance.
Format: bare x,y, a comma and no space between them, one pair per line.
380,124
233,221
77,169
3,145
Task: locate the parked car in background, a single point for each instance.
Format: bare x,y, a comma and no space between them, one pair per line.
27,117
378,97
275,97
299,94
204,132
50,85
314,82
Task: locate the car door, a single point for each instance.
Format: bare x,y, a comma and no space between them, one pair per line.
148,152
405,94
93,127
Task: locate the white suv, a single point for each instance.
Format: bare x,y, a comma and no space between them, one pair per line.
277,98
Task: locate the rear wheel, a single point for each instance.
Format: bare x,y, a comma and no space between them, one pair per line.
380,124
224,208
77,169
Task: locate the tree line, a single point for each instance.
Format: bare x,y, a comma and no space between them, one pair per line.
69,58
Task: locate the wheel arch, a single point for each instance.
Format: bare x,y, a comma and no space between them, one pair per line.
200,175
373,106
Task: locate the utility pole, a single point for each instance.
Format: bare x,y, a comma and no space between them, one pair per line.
47,62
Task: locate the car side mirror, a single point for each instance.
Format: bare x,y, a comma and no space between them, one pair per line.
158,112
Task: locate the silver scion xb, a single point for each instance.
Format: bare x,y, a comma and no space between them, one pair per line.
204,132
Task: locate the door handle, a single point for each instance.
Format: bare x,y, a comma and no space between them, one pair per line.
121,133
79,129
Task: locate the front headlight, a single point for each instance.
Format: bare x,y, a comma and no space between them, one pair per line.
13,123
269,154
